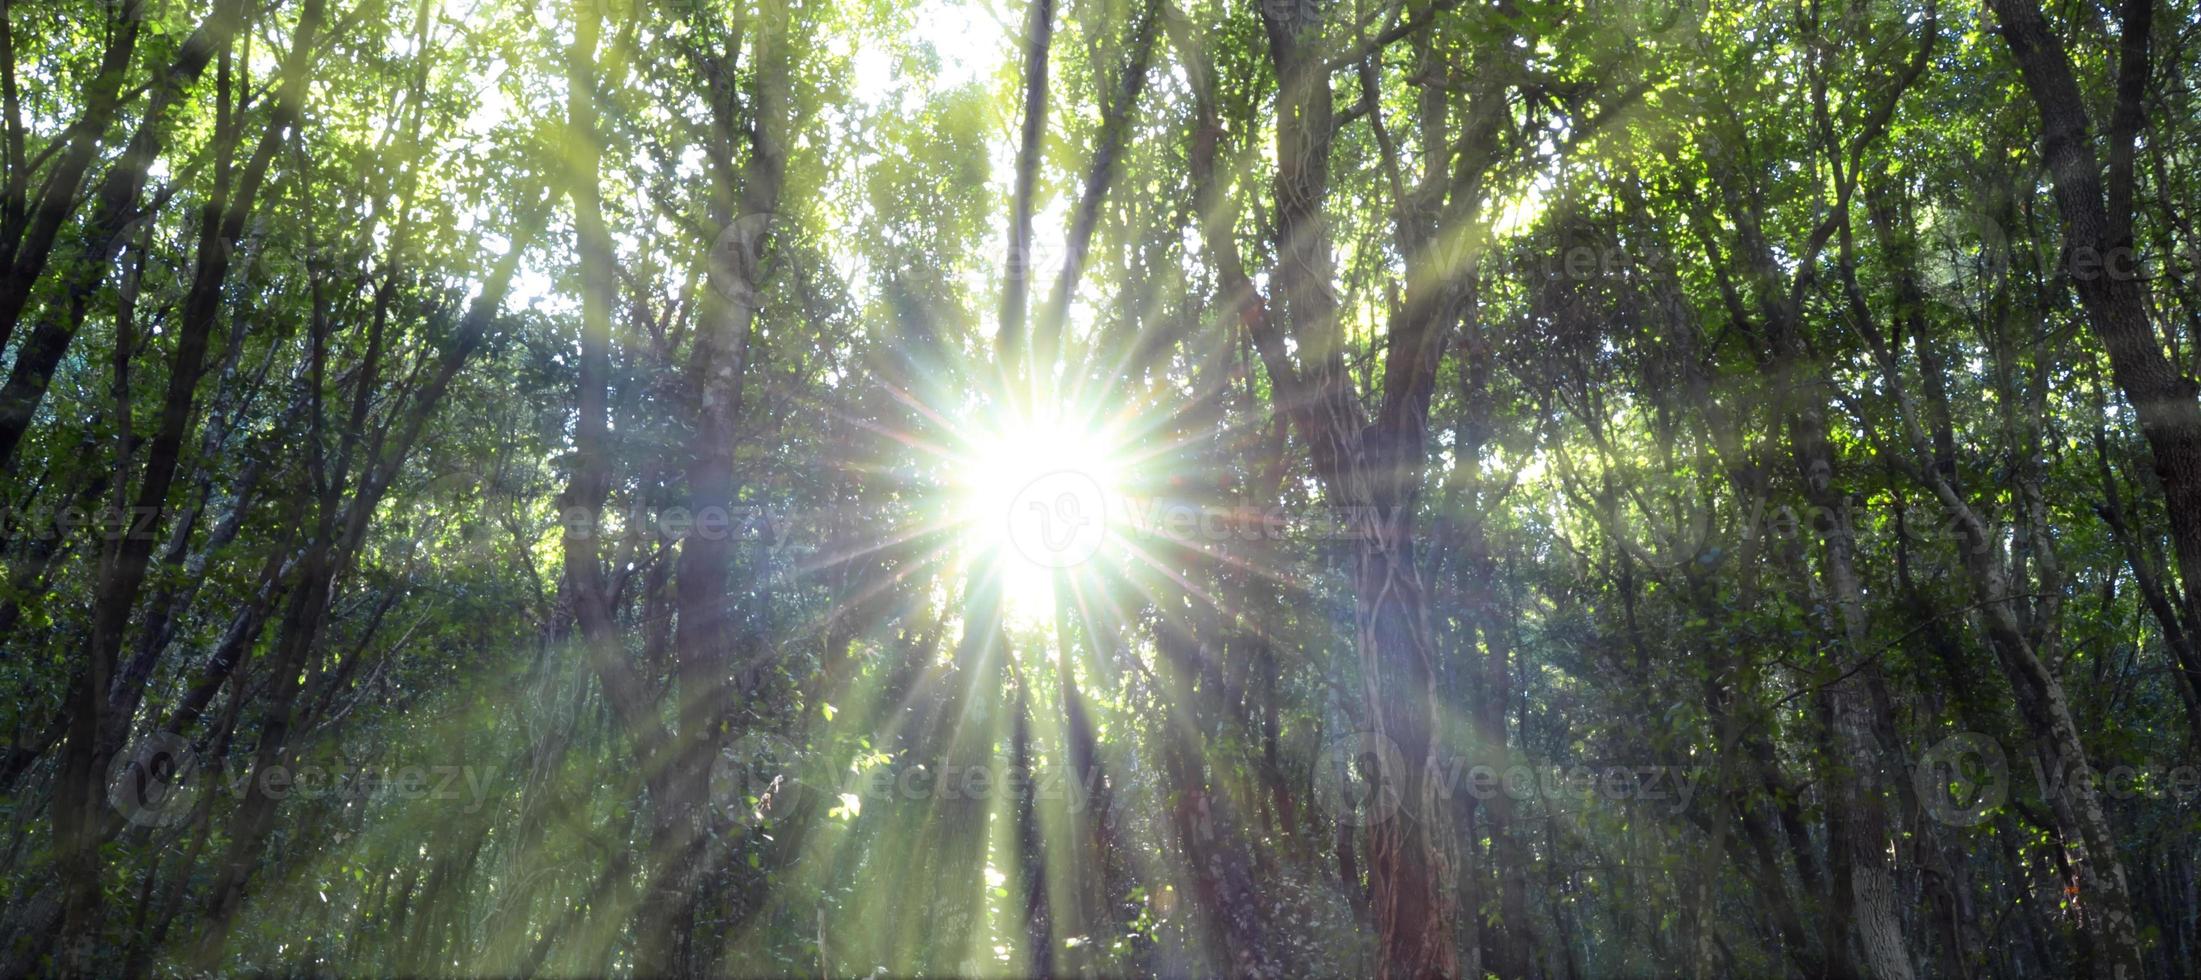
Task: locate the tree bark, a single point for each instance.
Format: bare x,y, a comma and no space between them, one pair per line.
26,257
77,810
103,236
2099,253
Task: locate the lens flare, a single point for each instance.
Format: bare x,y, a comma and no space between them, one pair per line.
1034,496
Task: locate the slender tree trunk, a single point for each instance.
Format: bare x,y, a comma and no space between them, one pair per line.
1010,341
2068,782
103,236
2099,249
26,256
78,807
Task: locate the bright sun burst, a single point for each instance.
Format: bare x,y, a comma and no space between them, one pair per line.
1034,495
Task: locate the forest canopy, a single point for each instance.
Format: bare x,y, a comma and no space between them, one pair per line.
1512,488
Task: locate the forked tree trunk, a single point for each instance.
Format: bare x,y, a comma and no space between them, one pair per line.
103,235
1372,469
2097,212
25,258
79,814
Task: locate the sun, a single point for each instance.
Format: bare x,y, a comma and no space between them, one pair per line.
1035,494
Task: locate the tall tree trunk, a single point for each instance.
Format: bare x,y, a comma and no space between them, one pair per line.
1009,340
2099,251
1372,468
103,236
77,810
25,257
735,283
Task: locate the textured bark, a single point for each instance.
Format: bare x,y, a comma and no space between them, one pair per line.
26,256
78,810
1372,467
118,197
1873,923
2096,210
1039,31
1865,894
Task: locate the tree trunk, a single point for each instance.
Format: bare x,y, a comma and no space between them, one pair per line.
2101,262
118,198
26,257
77,808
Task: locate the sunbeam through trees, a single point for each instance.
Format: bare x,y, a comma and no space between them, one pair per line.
1268,488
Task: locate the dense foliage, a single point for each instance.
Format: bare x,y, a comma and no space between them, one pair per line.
1292,487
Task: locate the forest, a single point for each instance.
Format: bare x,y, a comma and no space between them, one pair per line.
1253,488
